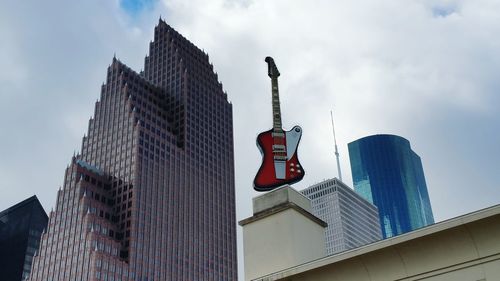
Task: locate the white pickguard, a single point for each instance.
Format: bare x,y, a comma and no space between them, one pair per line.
292,141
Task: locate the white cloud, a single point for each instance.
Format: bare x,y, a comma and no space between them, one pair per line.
419,69
426,70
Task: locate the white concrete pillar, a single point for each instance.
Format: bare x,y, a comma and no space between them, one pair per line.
282,233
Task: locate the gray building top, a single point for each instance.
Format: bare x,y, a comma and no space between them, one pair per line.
352,221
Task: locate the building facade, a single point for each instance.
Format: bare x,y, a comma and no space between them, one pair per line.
20,229
465,248
352,221
389,174
281,233
151,195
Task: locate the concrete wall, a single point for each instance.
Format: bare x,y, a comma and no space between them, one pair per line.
465,248
280,241
280,196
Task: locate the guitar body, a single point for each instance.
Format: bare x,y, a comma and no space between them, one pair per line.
280,163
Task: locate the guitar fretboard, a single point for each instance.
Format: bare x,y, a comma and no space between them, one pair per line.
276,106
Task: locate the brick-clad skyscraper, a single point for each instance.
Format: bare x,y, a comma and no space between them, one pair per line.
151,196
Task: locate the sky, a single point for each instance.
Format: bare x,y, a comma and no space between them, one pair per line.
425,70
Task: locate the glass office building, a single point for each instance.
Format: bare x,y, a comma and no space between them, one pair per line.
389,174
20,229
151,195
352,221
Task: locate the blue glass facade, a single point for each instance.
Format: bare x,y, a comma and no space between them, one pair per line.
390,175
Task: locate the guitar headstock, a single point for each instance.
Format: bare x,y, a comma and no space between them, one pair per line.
272,70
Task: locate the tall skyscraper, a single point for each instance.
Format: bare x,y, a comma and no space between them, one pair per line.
352,221
389,174
20,229
151,195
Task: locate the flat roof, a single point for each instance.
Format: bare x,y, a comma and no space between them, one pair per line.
421,232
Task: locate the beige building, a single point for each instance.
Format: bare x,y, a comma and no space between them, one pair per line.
277,236
464,248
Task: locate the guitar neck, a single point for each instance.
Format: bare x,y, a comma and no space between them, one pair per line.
276,106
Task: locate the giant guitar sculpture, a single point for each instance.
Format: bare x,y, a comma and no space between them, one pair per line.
280,164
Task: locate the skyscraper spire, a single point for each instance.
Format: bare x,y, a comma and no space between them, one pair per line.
336,150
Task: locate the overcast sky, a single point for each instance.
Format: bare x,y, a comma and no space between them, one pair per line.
425,70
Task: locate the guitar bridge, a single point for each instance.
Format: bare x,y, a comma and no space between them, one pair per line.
280,157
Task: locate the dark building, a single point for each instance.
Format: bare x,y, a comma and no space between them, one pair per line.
151,195
387,172
20,229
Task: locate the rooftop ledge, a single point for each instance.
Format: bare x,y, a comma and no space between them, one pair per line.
421,232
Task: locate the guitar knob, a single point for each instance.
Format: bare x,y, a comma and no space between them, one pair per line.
299,171
291,164
298,166
292,169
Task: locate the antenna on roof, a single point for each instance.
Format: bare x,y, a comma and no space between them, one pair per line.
336,150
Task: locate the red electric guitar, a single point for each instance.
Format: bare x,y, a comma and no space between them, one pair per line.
280,164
